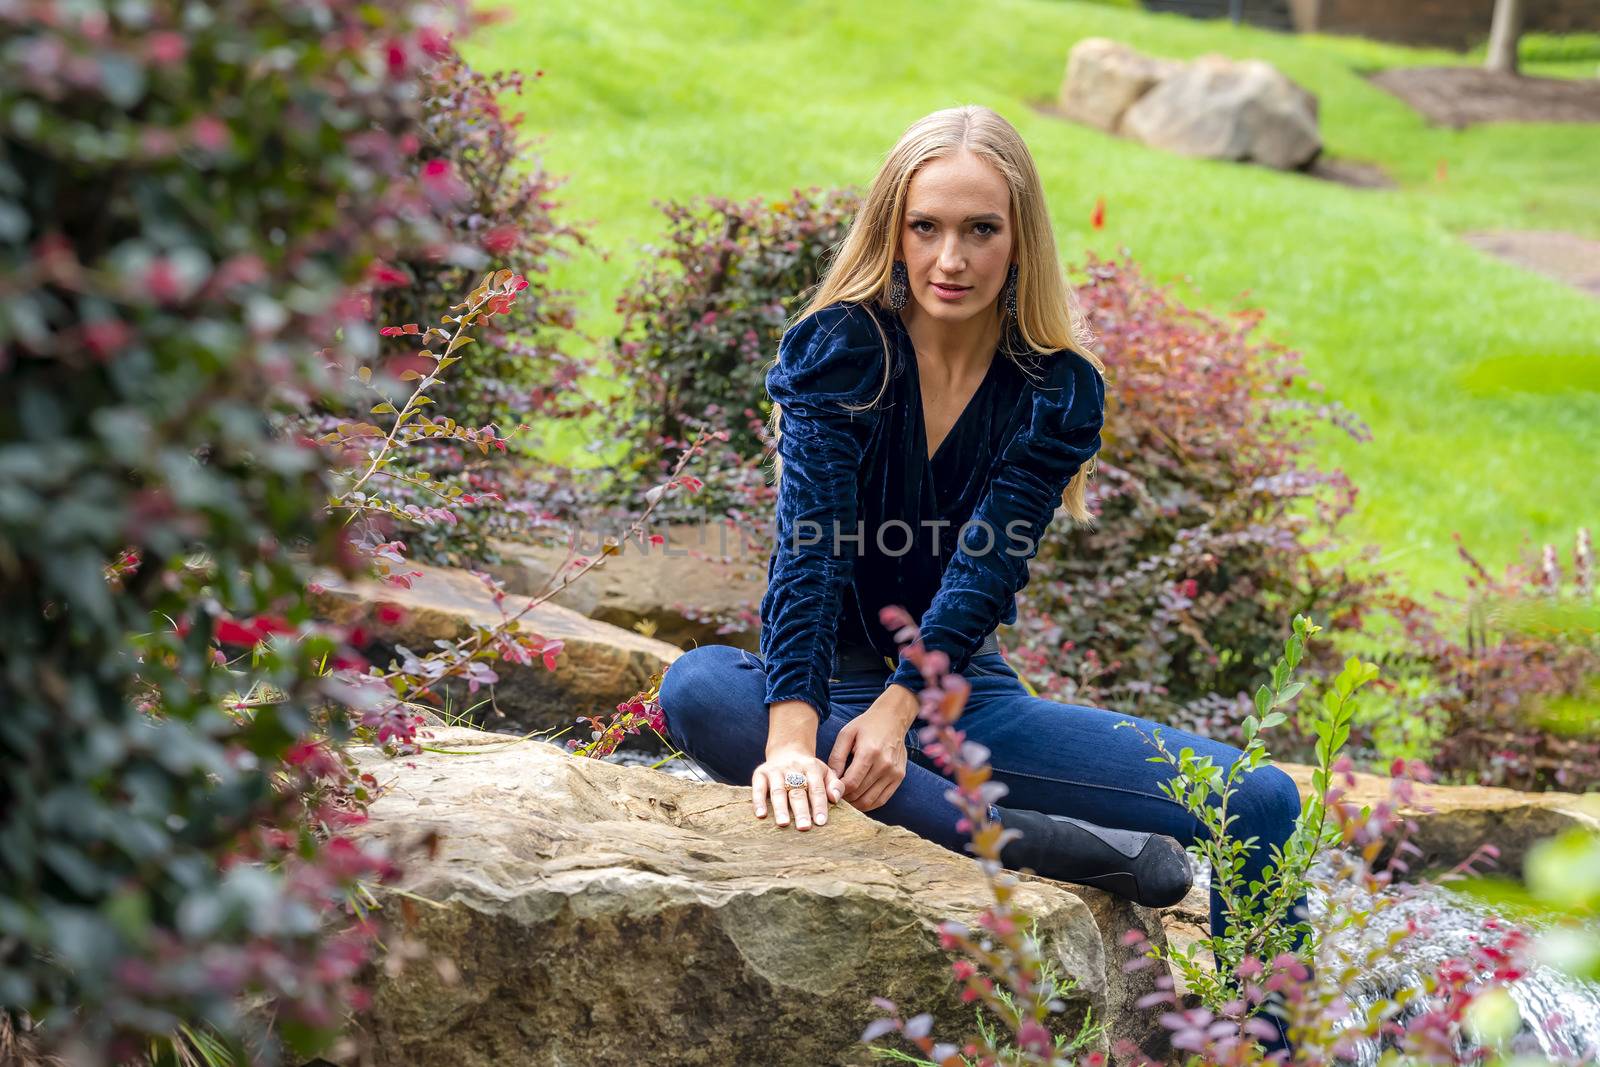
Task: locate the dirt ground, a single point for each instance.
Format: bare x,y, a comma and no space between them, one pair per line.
1563,256
1461,96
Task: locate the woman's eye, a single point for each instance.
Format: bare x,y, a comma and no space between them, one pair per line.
984,229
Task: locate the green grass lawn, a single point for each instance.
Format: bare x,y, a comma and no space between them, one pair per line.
1481,381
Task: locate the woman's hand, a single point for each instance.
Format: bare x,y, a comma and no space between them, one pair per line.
875,744
821,789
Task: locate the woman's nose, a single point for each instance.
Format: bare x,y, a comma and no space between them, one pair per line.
950,260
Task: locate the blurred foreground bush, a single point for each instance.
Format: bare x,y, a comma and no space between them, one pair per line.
194,200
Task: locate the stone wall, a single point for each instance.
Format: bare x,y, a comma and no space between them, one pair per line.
1450,23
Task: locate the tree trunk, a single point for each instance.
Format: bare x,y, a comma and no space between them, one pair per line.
1503,36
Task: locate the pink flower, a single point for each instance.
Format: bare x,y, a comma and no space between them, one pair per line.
162,283
209,133
439,181
1033,1037
433,41
246,269
500,240
105,337
155,142
166,47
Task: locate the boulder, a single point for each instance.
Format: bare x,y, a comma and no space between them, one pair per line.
1219,108
675,592
1104,78
592,913
599,666
1454,820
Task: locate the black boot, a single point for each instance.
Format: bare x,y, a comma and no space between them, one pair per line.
1148,869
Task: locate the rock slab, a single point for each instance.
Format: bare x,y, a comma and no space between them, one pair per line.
602,914
1452,821
599,666
700,585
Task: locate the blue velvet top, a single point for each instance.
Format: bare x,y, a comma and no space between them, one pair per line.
1004,465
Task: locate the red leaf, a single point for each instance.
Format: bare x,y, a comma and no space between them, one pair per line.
230,632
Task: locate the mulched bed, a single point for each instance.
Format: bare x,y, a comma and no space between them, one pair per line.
1563,256
1461,96
1350,172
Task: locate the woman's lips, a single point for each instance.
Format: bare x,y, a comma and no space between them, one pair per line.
950,292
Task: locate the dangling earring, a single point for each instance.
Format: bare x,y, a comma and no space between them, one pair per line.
899,285
1010,291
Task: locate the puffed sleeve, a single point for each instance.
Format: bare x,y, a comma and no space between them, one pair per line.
990,565
829,359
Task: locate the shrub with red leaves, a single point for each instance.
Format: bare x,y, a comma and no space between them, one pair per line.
699,325
493,205
1209,509
1511,683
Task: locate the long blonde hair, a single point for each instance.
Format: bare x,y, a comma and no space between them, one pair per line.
1049,317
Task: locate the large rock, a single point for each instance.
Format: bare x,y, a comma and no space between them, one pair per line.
1104,78
598,914
1213,106
1220,108
679,592
599,667
1454,820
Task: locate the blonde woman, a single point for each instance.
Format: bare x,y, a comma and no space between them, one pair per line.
934,403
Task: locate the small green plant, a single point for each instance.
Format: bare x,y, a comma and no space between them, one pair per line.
1259,923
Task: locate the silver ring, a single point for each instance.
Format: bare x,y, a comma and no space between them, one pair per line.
794,779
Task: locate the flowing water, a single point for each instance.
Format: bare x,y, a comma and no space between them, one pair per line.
1560,1014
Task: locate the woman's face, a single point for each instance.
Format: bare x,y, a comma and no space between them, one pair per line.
957,230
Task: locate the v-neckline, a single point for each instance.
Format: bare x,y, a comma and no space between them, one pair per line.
922,416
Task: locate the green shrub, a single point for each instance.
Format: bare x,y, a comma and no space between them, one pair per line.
193,202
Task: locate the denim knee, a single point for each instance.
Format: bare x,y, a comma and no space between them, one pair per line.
695,688
1275,798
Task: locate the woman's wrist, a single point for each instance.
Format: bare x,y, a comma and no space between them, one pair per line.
907,704
792,724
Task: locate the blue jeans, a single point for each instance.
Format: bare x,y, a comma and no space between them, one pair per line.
1064,759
